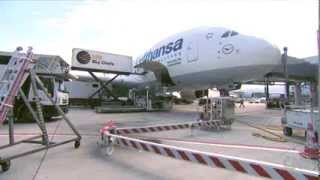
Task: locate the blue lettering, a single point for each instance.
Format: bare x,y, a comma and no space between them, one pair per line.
163,50
169,48
178,45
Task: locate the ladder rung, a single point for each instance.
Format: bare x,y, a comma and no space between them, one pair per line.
8,105
11,69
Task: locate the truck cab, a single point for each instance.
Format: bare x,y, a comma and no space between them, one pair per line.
52,71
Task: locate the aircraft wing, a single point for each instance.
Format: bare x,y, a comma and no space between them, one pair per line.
298,69
305,69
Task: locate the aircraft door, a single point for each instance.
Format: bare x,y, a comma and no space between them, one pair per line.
192,51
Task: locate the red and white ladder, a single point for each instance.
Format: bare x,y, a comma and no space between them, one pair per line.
12,78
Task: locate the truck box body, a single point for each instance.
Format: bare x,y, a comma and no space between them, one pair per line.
52,70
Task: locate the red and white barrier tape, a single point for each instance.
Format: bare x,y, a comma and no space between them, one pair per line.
257,168
220,144
149,129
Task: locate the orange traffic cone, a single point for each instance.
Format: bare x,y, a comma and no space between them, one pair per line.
311,150
108,127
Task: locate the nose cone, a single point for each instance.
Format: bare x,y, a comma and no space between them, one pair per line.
259,56
265,53
257,52
266,57
260,53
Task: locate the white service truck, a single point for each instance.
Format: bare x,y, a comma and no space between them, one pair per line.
297,118
53,71
80,91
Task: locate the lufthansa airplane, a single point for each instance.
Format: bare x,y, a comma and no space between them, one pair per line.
204,58
207,57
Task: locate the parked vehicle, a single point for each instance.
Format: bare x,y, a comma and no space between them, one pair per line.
52,70
254,100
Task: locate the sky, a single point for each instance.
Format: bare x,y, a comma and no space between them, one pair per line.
131,27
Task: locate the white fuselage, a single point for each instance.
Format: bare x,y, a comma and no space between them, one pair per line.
209,57
204,58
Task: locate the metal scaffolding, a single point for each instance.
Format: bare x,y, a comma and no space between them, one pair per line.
17,70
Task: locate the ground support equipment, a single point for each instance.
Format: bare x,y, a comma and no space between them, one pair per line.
19,68
219,110
104,87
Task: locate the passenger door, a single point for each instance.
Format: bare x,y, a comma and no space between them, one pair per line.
192,51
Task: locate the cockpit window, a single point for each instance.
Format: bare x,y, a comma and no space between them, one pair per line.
234,33
226,34
229,33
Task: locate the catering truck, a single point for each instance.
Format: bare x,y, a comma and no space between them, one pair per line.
53,71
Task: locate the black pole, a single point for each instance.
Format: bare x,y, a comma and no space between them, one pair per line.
318,40
285,71
318,89
267,89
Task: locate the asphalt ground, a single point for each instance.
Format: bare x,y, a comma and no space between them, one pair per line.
90,162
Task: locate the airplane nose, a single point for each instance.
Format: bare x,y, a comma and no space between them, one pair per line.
265,53
272,54
259,55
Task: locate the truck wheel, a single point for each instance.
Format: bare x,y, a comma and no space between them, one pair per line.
5,165
47,117
24,115
287,131
77,144
66,110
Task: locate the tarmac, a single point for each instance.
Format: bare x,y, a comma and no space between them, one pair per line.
90,162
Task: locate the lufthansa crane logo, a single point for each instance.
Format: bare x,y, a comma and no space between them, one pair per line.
83,57
227,49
